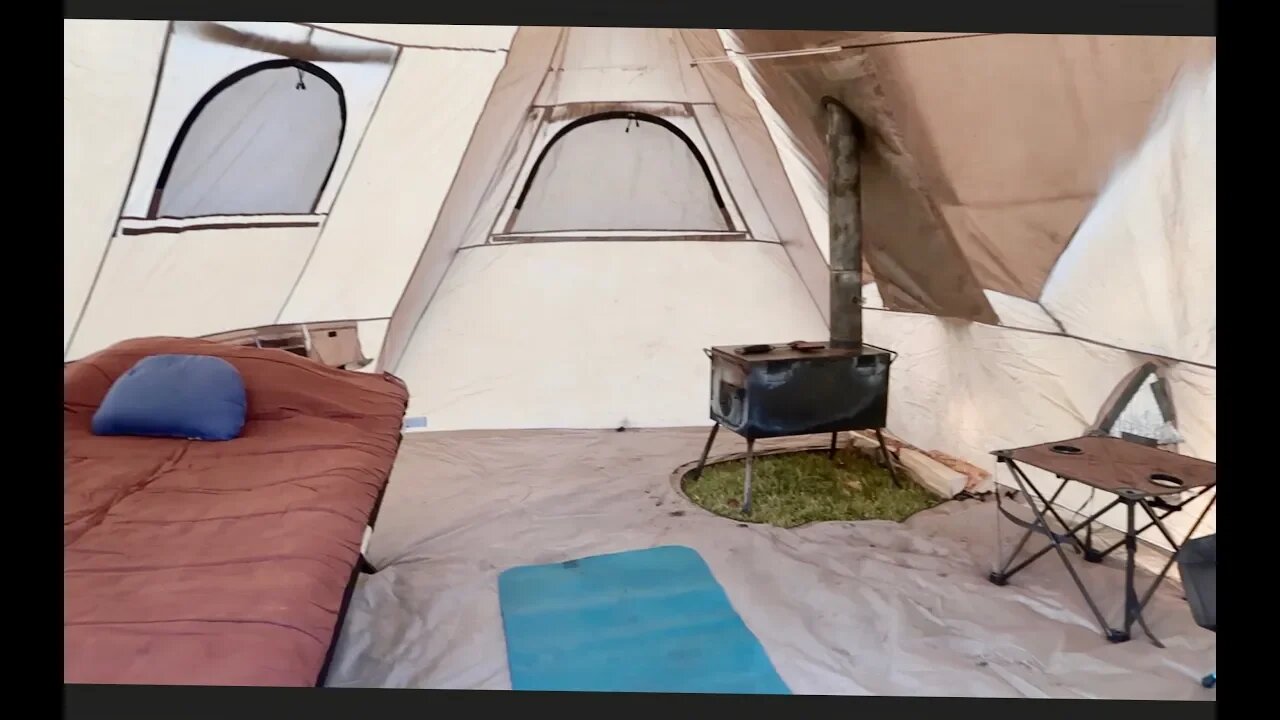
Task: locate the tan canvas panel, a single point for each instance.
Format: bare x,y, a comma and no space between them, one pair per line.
1000,125
907,243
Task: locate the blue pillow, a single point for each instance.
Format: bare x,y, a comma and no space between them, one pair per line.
197,397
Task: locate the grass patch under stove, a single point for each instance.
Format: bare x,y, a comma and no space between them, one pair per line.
794,489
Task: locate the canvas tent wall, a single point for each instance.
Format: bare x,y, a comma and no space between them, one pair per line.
543,227
132,85
613,280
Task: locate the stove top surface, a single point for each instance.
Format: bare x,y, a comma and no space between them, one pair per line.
772,352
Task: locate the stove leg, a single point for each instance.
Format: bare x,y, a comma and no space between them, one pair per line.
831,454
888,459
746,482
706,450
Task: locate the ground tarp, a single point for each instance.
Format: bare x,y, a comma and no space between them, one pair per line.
842,608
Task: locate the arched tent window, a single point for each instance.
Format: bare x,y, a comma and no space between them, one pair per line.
620,170
1141,410
264,140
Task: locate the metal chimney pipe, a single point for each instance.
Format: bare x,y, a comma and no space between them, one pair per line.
844,212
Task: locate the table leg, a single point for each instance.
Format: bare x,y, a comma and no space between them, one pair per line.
1001,577
1048,505
1130,567
1177,547
706,450
1090,555
746,482
831,454
1142,623
1009,571
1062,555
1098,555
1134,606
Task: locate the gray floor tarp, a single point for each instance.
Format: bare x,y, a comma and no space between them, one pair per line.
842,608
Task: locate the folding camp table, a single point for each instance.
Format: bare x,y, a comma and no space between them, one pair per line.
1156,481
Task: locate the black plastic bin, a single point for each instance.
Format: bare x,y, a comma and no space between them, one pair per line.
1198,564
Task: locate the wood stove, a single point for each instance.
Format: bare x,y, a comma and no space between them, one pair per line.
806,388
769,391
780,391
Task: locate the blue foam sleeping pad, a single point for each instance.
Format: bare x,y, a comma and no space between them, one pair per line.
197,397
650,620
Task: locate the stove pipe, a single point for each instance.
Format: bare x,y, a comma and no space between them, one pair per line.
844,211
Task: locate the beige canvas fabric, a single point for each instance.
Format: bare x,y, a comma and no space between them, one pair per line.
1008,138
491,143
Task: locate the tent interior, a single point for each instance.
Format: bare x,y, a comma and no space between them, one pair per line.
540,229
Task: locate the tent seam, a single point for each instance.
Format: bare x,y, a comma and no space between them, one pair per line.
1098,343
381,364
1062,328
818,301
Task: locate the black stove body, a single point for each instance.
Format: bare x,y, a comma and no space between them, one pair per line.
769,391
782,391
